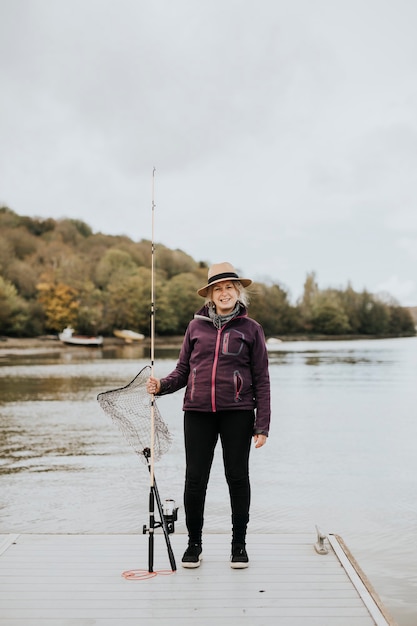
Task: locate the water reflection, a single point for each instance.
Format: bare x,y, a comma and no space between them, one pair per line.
24,389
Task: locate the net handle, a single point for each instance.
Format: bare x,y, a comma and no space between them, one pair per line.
152,479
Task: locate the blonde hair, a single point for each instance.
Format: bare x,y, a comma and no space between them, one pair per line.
242,294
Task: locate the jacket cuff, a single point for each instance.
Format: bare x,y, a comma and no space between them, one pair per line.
164,387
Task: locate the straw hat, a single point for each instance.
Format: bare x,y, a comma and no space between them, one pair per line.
219,272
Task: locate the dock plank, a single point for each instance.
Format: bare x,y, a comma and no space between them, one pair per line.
76,580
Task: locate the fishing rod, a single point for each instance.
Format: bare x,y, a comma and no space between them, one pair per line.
146,432
168,513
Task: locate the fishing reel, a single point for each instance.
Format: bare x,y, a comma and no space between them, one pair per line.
170,514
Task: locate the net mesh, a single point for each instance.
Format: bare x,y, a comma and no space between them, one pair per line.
130,409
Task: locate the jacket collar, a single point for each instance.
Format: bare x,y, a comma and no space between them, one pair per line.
203,314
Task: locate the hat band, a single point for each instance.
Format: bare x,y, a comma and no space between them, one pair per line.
223,277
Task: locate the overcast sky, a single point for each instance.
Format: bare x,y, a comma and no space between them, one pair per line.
283,132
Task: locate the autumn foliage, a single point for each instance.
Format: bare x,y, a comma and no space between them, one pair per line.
58,273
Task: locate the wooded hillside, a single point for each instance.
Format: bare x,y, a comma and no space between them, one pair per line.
58,273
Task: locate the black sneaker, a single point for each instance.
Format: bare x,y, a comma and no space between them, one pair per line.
192,556
239,558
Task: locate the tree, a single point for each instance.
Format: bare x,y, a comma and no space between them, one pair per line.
23,276
113,267
126,302
90,309
60,304
14,312
311,289
173,262
271,308
328,316
400,321
373,315
177,301
23,243
7,255
351,303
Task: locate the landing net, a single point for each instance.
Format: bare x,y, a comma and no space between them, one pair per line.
130,409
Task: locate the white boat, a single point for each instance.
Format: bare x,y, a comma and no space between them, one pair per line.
128,335
273,343
67,336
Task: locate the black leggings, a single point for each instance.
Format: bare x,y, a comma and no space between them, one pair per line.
201,432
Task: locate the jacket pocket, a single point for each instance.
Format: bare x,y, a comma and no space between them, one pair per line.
232,342
237,385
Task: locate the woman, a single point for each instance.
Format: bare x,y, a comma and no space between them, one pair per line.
223,364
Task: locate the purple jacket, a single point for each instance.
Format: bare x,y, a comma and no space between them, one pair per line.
223,369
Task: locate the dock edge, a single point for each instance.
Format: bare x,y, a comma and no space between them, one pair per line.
369,596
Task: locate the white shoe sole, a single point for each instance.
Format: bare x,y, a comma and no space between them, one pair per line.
189,565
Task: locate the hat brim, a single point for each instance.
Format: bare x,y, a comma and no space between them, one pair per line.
245,282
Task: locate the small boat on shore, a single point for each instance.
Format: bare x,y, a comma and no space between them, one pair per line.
68,337
128,335
273,343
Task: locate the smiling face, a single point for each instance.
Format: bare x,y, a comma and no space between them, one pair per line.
224,295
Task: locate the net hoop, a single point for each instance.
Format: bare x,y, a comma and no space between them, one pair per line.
129,408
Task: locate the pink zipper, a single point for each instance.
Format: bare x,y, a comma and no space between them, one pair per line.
213,371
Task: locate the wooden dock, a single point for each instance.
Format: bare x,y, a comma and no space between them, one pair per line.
83,580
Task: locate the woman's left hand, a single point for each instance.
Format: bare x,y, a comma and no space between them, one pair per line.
260,440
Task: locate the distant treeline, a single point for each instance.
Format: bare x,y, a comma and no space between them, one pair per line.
58,273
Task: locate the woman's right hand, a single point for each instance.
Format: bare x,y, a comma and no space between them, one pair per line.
153,385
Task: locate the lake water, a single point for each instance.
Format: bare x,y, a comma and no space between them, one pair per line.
341,452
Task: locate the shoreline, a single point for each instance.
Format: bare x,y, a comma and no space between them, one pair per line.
51,343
